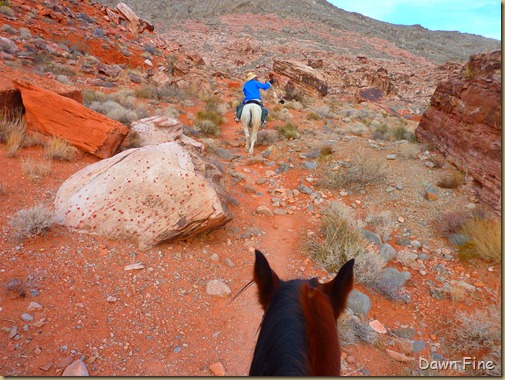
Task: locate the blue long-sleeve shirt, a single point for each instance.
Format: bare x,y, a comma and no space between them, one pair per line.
252,89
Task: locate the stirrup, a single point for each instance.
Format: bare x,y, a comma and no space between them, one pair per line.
236,119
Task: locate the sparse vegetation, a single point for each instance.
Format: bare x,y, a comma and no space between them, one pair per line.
289,131
352,330
18,287
473,332
209,121
452,222
16,133
452,181
132,140
382,221
341,241
363,172
409,151
485,239
6,10
35,170
31,222
59,149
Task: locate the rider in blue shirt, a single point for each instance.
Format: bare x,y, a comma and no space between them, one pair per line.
251,91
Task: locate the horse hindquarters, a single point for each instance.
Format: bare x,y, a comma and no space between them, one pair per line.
251,116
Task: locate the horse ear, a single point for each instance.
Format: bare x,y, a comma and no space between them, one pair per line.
265,278
339,288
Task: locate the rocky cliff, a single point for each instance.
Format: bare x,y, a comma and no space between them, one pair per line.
464,123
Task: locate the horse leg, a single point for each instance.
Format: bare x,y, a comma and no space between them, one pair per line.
254,137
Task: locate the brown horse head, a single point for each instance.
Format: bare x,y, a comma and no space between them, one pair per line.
298,333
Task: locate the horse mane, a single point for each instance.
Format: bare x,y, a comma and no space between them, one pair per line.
298,334
279,334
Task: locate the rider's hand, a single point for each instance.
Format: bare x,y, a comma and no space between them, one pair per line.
272,81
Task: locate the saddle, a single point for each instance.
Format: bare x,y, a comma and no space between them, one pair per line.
264,110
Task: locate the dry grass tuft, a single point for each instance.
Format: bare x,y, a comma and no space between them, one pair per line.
485,239
18,287
342,241
31,222
132,140
59,149
289,131
13,133
477,331
352,330
363,172
35,170
452,181
382,221
452,222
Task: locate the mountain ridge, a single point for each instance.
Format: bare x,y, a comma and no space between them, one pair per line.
436,46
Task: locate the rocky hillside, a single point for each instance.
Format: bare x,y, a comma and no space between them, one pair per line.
435,46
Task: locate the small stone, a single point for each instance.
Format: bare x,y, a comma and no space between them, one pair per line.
405,333
65,362
344,193
400,219
214,257
13,332
418,345
310,165
378,327
479,284
229,262
39,323
398,356
359,303
249,189
264,210
280,211
135,266
387,252
437,356
111,299
34,306
26,317
177,350
77,368
391,157
217,288
37,351
217,369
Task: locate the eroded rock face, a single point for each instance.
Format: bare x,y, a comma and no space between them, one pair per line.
56,115
464,123
302,76
148,195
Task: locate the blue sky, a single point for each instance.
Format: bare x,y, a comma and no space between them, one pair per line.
481,17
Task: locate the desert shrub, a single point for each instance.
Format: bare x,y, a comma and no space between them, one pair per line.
15,137
59,149
24,33
409,151
401,133
326,150
289,130
363,172
17,287
10,122
90,96
382,221
63,79
6,10
452,181
207,127
381,132
342,241
267,137
132,140
358,129
352,330
35,170
115,111
481,329
324,112
313,116
8,29
485,239
452,222
31,222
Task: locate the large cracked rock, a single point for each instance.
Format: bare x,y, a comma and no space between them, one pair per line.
149,195
464,123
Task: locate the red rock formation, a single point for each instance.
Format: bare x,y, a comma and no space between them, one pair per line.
464,123
302,76
56,115
10,98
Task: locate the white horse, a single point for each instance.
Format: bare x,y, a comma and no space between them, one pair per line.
251,117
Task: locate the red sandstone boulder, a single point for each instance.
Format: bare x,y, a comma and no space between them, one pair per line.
56,115
464,123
